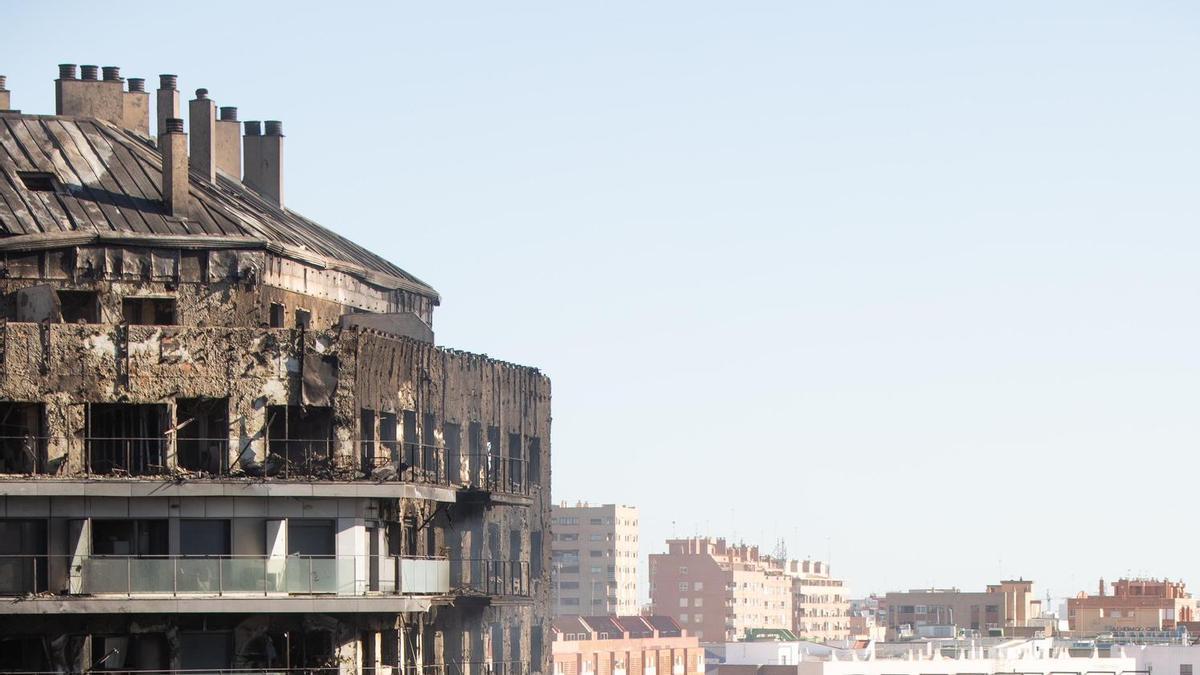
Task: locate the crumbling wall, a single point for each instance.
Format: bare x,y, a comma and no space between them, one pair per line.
396,374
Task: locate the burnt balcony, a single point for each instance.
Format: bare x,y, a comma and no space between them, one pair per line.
485,578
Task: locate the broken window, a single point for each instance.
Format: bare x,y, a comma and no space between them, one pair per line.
535,461
208,650
474,451
140,651
79,306
387,436
516,463
535,553
366,435
22,447
134,538
202,434
412,444
22,556
429,446
299,439
303,319
389,648
23,654
452,435
126,438
278,311
492,466
145,311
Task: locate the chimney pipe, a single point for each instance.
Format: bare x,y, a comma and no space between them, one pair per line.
173,145
90,96
136,107
168,101
263,164
202,116
5,94
229,143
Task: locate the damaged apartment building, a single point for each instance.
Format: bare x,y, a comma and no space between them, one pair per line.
227,437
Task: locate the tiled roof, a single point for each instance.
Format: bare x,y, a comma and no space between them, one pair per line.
110,182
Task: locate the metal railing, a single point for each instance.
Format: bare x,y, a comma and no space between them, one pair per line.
289,458
477,576
493,472
231,575
483,668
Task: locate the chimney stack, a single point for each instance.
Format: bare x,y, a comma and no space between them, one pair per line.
173,145
136,108
5,94
229,143
202,114
168,101
263,164
90,96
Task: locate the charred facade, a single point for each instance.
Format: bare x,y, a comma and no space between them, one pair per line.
227,437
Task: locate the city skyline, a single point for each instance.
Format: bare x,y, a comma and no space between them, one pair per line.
931,263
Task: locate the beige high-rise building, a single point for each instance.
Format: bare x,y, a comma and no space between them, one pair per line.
595,559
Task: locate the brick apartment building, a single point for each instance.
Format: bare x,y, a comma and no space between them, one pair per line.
595,559
227,437
1134,604
624,645
720,591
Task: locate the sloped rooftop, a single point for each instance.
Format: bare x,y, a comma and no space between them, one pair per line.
107,186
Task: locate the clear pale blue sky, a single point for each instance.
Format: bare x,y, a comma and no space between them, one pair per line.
915,282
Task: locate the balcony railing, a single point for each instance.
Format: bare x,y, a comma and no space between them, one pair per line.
228,575
291,458
479,668
475,576
490,471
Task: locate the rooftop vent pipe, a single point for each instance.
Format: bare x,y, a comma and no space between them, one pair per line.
168,101
263,166
202,116
173,144
229,143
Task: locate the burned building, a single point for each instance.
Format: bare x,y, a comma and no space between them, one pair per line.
227,438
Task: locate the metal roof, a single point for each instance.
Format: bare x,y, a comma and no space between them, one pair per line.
109,189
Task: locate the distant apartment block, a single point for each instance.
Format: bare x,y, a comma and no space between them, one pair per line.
1005,608
864,620
820,607
595,553
722,592
719,591
616,645
1135,604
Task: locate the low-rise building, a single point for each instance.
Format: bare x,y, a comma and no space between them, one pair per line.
1135,604
1000,609
934,657
621,645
